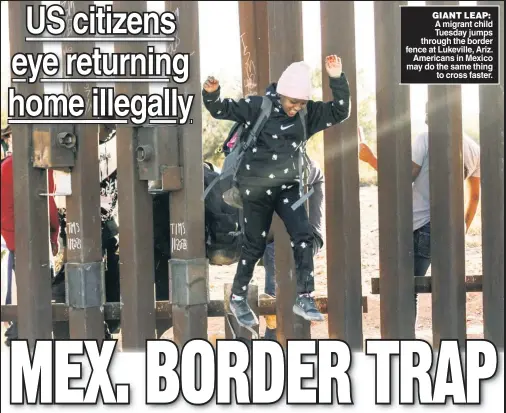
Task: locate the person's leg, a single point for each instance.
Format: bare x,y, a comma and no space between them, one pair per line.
60,328
11,333
257,212
270,286
302,238
422,257
10,275
270,270
112,278
162,289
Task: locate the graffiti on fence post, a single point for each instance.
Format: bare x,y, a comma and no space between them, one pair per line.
178,239
250,86
74,241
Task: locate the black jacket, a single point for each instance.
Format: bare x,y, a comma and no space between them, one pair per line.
316,201
274,160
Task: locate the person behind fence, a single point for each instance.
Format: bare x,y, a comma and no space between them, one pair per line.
8,231
109,233
421,192
315,180
6,141
268,178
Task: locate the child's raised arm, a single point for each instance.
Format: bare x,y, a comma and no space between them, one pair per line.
243,110
322,115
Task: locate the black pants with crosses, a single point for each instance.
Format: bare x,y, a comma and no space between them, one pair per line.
259,205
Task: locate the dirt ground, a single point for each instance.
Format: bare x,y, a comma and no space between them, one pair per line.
370,268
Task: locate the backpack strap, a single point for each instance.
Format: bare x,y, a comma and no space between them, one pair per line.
265,112
303,197
232,168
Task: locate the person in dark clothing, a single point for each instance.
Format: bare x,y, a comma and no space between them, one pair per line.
268,177
315,180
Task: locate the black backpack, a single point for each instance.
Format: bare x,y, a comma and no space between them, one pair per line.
222,222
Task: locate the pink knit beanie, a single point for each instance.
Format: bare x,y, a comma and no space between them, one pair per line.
295,82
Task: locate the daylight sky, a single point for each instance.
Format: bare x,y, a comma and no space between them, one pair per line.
220,47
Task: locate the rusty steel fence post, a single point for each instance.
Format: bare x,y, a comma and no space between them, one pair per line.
254,46
84,272
395,200
188,266
135,205
492,204
285,47
447,211
32,268
342,196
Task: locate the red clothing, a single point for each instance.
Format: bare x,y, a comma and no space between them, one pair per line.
7,191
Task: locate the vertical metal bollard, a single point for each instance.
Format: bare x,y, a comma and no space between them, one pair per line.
254,58
342,190
395,199
285,47
447,211
492,204
84,270
254,47
188,267
33,276
135,216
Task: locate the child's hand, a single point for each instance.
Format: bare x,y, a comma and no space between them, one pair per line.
333,65
211,85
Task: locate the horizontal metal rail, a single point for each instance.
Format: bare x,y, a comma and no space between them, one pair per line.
474,284
112,311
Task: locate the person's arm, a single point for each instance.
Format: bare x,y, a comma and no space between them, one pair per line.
472,189
367,155
323,115
242,110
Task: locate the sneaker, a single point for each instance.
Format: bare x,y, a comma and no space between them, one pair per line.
242,311
306,308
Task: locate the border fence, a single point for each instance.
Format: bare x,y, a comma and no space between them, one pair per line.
272,33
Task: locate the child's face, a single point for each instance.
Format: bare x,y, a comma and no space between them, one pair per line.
292,106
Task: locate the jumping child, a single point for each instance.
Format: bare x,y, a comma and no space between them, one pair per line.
268,177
